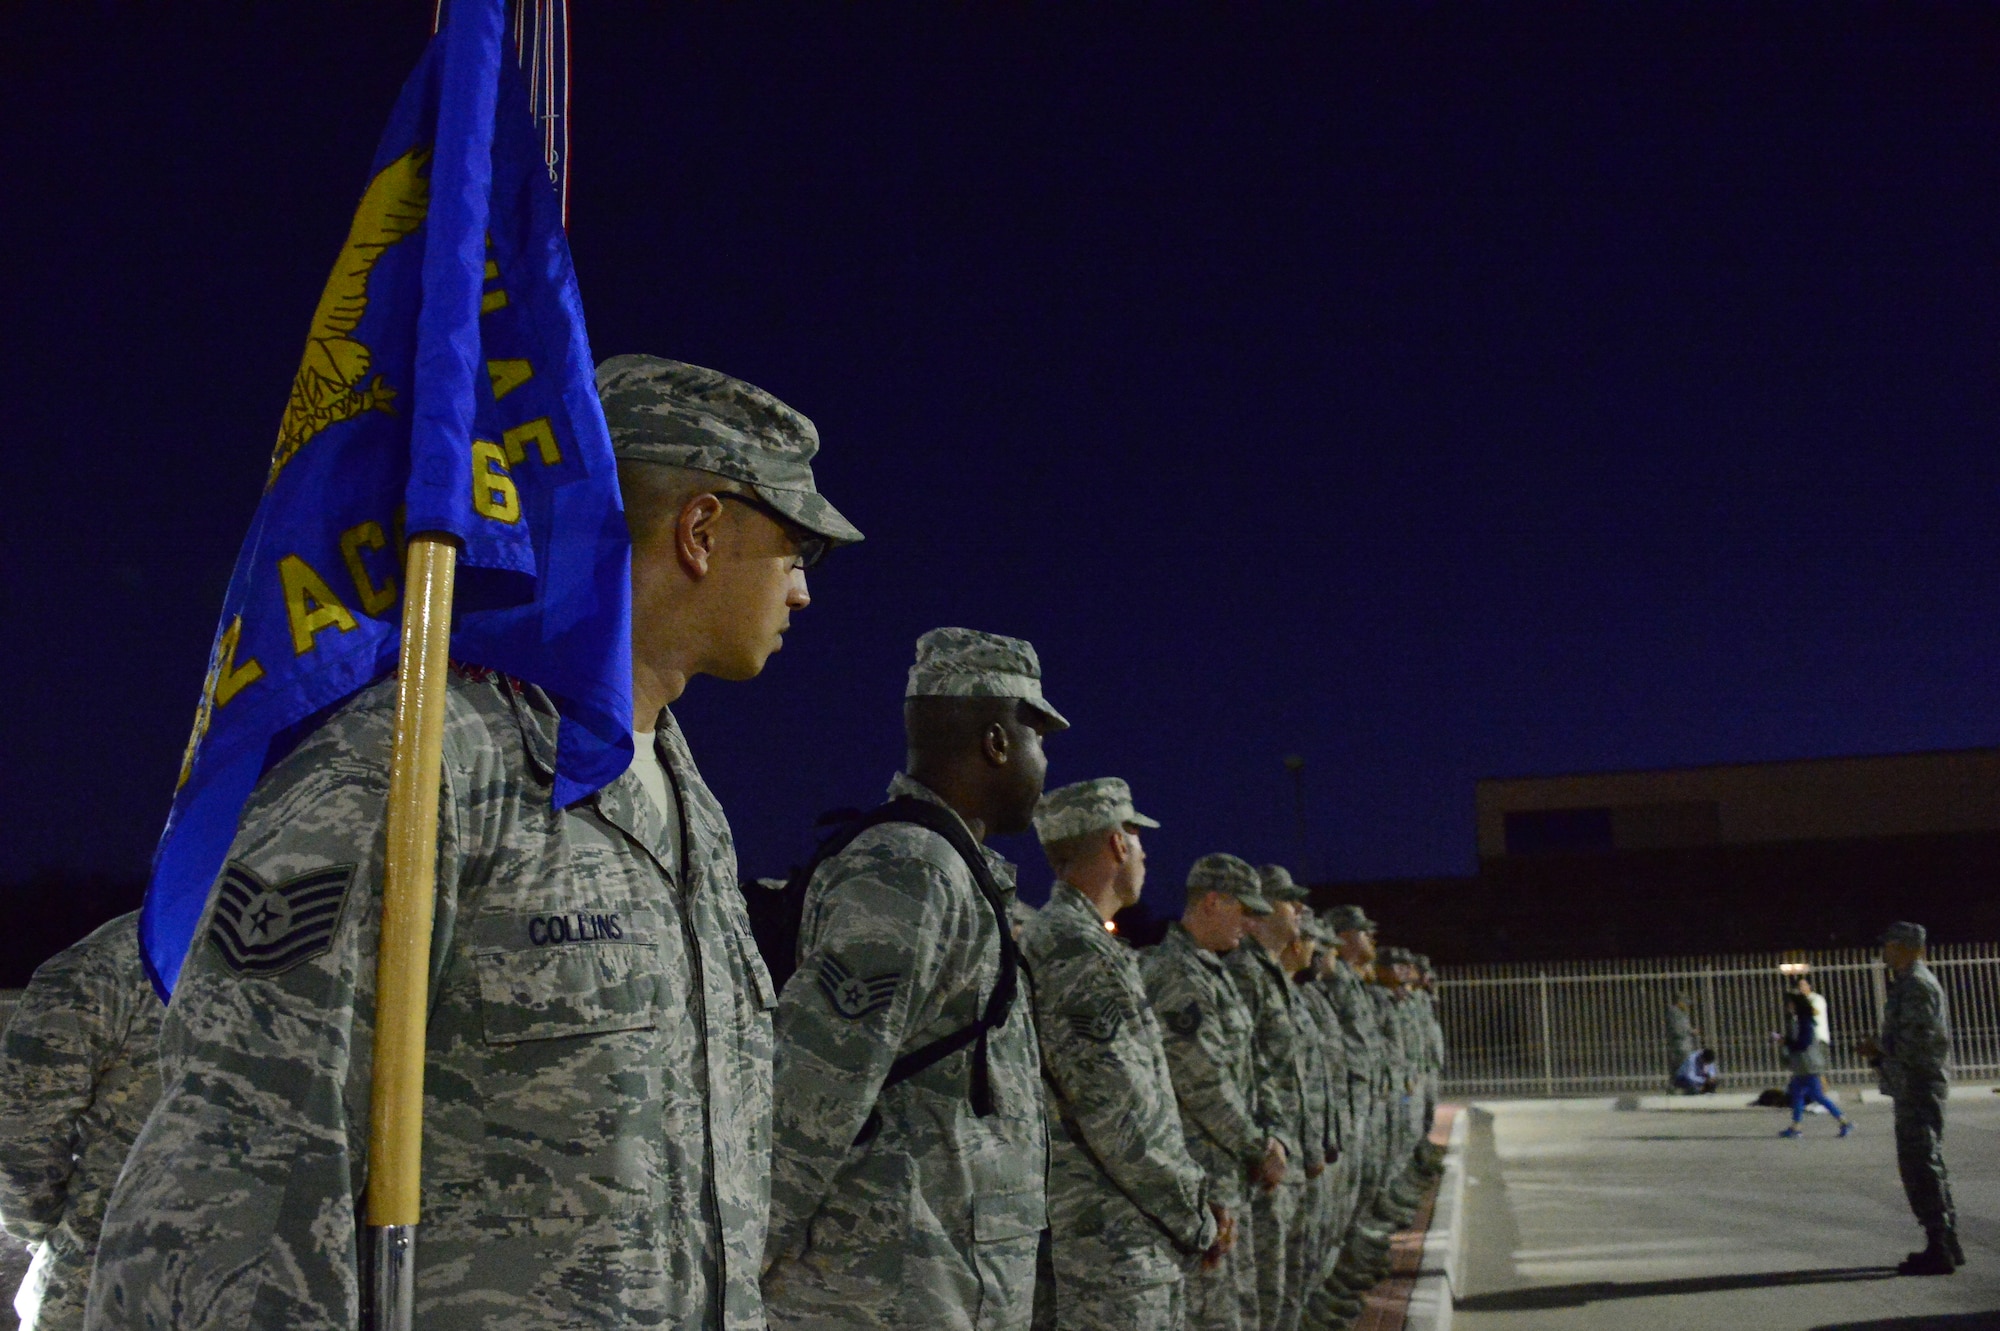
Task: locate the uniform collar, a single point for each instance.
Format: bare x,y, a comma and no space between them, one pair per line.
1067,898
904,786
539,722
1178,935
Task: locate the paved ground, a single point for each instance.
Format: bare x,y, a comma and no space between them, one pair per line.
1586,1219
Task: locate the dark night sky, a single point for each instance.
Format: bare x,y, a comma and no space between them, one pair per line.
1432,394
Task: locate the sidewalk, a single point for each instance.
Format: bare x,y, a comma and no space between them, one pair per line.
1587,1216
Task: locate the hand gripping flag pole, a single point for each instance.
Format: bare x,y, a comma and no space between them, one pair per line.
446,390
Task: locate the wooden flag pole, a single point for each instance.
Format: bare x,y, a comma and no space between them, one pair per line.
402,969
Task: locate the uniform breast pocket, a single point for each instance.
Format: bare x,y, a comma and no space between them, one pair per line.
547,976
574,1009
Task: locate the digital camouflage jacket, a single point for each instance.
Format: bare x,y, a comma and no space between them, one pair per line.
79,1072
1127,1203
900,1205
597,1086
1208,1036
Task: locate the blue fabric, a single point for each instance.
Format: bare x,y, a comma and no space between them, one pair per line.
1804,1089
446,386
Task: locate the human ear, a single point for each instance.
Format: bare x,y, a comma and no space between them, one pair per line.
695,534
1121,849
996,745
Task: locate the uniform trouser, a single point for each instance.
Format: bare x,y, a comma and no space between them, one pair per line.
1215,1299
1083,1305
1920,1156
1343,1196
1275,1222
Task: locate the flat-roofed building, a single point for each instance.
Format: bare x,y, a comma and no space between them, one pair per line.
1742,804
1725,858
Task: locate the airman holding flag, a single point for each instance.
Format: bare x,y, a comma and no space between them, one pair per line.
589,1019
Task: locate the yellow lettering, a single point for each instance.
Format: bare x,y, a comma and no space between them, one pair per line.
491,301
540,433
225,680
492,268
232,679
310,604
493,492
374,599
508,375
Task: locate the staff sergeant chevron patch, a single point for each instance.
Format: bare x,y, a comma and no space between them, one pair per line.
1101,1023
264,930
852,997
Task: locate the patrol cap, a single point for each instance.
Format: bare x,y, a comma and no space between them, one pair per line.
682,415
1231,877
1278,885
1347,919
1310,926
965,663
1087,806
1396,956
1906,933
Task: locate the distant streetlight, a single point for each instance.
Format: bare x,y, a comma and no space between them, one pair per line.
1296,765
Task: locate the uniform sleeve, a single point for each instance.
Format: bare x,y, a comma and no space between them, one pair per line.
1923,1041
1097,1053
239,1203
865,979
1198,1058
1280,1104
64,1033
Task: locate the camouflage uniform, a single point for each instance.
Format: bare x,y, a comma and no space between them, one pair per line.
1327,1192
900,1204
598,1073
79,1072
1128,1206
1915,1043
1355,1039
1292,1110
598,1076
1209,1037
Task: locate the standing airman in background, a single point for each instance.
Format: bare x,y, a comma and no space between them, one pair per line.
79,1072
1209,1034
1337,1300
909,1145
599,1042
1910,1054
1429,1158
1401,1192
1130,1212
1322,1128
1279,1216
1341,1181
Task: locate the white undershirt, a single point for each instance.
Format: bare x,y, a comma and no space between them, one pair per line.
653,780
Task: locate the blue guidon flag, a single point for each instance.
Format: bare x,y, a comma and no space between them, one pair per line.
446,386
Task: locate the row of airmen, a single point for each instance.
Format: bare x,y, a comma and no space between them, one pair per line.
1239,1116
628,1121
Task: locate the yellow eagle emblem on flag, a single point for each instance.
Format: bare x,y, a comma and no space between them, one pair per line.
333,383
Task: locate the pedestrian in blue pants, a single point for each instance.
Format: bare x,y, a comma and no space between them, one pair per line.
1805,1042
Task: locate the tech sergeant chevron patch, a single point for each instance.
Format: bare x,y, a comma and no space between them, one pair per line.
262,929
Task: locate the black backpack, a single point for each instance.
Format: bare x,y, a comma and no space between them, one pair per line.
775,916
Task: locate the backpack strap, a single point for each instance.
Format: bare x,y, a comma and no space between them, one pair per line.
1000,1002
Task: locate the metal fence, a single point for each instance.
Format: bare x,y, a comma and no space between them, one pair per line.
1596,1028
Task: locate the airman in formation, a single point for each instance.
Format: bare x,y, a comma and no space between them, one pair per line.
955,1113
